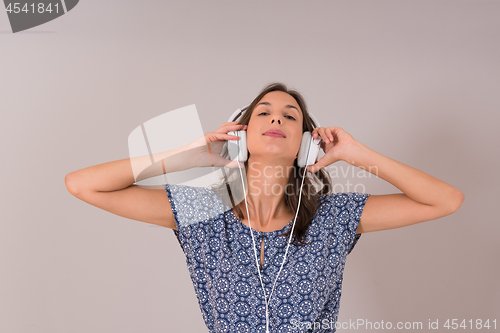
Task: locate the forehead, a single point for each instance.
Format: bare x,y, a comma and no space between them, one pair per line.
280,99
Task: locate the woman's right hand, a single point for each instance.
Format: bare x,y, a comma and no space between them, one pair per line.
207,148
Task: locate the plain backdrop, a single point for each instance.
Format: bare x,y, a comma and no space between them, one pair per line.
417,81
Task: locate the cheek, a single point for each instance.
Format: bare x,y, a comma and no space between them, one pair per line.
299,140
253,130
252,137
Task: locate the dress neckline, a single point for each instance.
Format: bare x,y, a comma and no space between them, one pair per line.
274,232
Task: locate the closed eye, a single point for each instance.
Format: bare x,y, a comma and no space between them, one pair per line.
285,116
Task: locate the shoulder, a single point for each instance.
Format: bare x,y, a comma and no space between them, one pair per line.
193,194
342,212
343,206
186,190
192,204
343,200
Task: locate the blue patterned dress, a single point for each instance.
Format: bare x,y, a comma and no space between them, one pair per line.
221,262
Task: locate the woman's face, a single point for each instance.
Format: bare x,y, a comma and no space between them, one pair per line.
276,110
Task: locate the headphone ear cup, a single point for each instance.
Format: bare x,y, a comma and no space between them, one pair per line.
308,151
238,148
243,156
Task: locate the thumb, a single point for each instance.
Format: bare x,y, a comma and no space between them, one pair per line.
235,164
316,167
222,162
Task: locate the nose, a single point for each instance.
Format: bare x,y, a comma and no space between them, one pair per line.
279,121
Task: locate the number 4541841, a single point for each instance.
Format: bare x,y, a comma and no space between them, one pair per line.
32,8
478,324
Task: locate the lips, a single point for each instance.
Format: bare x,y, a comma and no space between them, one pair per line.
275,133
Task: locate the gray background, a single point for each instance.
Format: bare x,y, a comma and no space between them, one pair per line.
417,81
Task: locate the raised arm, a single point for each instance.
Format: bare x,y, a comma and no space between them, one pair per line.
424,197
110,186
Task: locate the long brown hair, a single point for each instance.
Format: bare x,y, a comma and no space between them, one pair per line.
309,202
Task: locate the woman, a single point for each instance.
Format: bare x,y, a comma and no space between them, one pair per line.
294,291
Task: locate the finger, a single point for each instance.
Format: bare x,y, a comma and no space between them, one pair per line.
222,162
329,133
336,131
312,169
223,136
315,133
229,125
233,124
241,127
233,127
323,135
316,167
217,137
320,164
234,164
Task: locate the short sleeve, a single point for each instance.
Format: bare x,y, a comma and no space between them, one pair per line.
193,208
348,209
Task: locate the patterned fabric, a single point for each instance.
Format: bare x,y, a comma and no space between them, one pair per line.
221,262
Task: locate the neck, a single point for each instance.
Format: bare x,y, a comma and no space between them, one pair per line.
266,192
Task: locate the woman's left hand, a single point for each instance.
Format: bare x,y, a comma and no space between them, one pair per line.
336,143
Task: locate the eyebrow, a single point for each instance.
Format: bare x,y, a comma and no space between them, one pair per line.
286,106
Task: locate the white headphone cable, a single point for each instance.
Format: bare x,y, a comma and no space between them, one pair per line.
255,251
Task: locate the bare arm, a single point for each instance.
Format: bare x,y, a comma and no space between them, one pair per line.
117,175
109,186
424,197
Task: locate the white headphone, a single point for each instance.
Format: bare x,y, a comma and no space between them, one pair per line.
308,153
